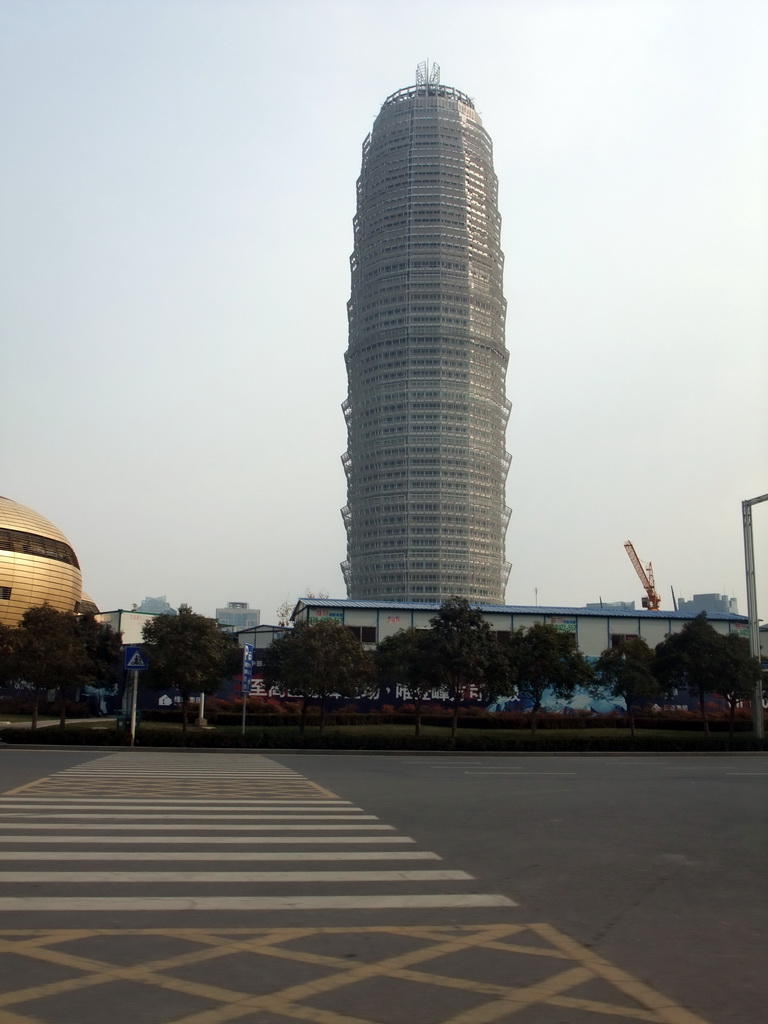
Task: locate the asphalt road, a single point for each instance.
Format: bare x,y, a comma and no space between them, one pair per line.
660,864
545,890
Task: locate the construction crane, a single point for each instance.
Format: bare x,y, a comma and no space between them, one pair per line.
645,572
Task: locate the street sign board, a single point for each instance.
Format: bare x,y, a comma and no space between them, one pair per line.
135,657
247,667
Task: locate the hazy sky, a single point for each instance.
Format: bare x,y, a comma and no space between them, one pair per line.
177,187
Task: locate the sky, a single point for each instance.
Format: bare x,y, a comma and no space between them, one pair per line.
177,187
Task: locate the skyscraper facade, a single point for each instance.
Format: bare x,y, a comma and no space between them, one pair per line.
426,409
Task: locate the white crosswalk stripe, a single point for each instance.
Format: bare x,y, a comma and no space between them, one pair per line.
169,903
163,825
203,817
175,877
225,855
224,825
202,840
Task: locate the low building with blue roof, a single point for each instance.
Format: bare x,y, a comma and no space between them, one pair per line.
595,629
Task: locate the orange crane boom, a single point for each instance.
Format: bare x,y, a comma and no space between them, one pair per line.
645,572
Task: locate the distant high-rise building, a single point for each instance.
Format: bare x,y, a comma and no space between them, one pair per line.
238,615
712,604
155,606
426,410
618,606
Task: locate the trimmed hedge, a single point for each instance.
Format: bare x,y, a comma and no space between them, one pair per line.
23,704
331,740
82,736
474,719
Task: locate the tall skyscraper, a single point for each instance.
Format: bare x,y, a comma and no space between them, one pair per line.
426,410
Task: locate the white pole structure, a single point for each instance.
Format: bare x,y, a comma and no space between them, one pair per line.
754,621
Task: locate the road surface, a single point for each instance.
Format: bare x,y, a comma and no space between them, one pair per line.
199,888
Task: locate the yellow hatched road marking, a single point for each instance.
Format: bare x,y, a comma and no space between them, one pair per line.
26,786
573,966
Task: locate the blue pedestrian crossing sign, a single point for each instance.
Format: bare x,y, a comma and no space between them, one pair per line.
135,658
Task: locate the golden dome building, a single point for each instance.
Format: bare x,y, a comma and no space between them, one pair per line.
37,564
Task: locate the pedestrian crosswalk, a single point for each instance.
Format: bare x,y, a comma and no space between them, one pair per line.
140,831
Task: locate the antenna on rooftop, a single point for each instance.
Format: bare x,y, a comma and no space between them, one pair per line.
426,75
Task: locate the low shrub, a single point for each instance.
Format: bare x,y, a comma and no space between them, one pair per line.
552,741
478,719
23,704
69,735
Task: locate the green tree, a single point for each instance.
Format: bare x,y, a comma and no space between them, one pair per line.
6,653
187,652
739,671
48,655
315,660
691,660
463,651
403,660
626,672
545,658
101,664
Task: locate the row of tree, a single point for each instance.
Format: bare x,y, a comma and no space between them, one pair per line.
58,651
460,652
61,652
697,659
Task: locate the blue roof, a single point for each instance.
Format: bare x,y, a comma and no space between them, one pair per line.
516,609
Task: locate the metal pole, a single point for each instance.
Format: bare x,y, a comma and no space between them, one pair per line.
247,673
134,696
754,621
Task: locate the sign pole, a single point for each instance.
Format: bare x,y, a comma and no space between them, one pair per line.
134,660
754,621
134,696
247,674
